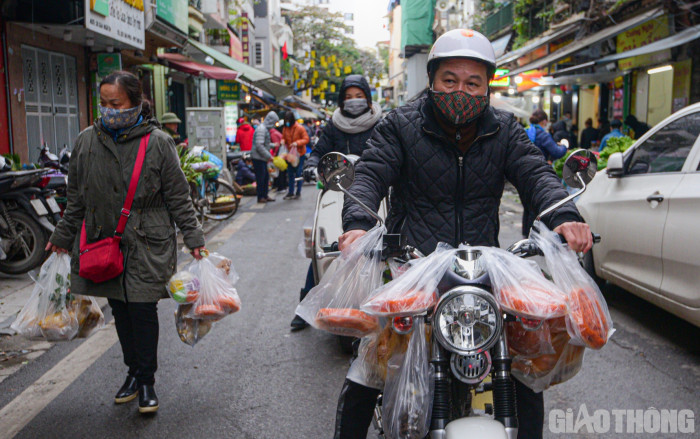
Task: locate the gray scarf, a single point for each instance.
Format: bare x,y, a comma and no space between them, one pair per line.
359,124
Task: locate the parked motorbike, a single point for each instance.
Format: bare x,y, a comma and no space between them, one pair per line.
469,342
27,217
57,180
321,237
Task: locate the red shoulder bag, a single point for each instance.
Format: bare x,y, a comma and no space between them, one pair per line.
103,260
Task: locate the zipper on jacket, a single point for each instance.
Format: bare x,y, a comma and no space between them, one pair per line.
458,199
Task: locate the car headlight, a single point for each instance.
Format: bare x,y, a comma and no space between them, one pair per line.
467,320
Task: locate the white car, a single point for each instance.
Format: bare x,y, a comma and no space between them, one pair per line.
646,207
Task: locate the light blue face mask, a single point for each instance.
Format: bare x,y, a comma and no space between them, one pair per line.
116,119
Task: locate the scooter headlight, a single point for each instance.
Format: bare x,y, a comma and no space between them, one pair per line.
467,320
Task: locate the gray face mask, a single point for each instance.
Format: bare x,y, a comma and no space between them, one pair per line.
355,106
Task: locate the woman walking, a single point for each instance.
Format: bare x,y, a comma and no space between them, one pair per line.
100,174
295,136
261,156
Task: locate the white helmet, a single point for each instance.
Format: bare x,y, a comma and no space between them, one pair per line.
463,43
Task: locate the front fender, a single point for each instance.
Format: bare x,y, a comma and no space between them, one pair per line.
476,427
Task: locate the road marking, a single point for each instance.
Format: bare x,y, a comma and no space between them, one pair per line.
21,410
27,405
258,206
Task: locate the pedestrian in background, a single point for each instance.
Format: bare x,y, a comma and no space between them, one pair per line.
347,131
295,137
638,127
170,123
261,156
603,127
537,132
100,171
615,125
588,135
244,135
279,183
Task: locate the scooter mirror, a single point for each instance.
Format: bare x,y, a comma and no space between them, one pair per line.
336,171
581,165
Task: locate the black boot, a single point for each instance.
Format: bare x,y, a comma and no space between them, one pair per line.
148,401
128,392
297,322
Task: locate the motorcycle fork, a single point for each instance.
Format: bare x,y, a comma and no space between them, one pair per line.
441,399
504,405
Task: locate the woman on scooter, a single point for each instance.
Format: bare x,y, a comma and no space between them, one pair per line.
347,131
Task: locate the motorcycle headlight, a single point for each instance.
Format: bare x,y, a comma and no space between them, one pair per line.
467,320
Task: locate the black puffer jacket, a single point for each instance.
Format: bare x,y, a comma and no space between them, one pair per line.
441,195
334,140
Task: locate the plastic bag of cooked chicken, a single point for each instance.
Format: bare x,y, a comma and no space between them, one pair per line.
408,392
588,321
415,290
521,288
334,304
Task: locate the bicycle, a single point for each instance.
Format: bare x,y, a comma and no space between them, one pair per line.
213,198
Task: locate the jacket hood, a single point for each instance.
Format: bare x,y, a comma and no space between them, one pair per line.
246,127
271,119
358,81
559,126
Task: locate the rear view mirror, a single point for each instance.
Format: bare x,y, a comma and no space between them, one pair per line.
580,168
615,165
336,171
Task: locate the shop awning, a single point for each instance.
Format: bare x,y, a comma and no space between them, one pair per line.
583,79
256,77
583,43
184,64
515,54
500,45
683,37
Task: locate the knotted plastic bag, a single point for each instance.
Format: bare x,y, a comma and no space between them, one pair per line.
521,288
334,304
408,392
208,284
49,313
588,322
415,290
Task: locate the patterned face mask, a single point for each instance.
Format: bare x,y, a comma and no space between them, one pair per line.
459,107
115,119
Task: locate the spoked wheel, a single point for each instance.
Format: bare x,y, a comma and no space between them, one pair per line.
221,200
197,201
25,249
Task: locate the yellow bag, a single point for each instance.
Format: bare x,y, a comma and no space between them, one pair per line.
280,163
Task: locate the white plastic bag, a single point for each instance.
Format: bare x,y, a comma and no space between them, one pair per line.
408,392
49,313
190,330
588,321
370,366
334,304
89,314
208,284
521,288
415,290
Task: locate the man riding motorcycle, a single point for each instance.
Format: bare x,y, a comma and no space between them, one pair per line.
447,155
347,132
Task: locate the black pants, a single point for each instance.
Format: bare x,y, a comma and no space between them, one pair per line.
356,409
137,328
262,178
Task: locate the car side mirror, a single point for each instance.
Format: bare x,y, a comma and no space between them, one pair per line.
615,167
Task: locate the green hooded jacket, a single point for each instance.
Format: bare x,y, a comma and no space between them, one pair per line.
98,180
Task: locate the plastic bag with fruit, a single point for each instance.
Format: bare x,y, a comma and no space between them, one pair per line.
49,313
408,392
90,316
415,290
190,330
334,304
208,285
588,321
521,288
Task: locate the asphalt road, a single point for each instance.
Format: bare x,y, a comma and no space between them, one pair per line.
252,378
